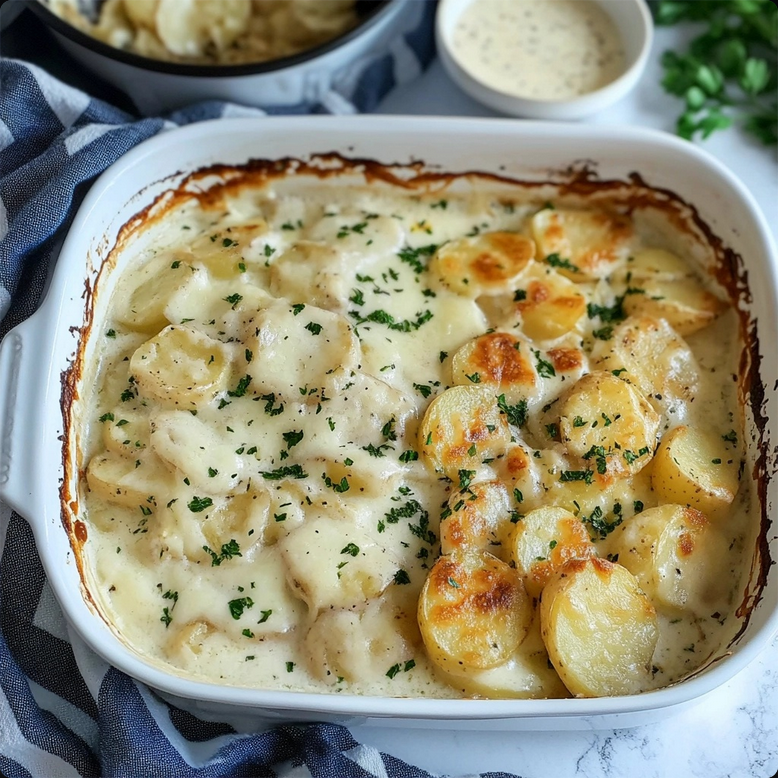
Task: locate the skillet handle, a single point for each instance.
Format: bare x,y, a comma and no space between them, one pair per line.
19,427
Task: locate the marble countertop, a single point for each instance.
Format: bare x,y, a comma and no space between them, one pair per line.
733,731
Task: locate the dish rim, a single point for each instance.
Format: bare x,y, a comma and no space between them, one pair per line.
417,708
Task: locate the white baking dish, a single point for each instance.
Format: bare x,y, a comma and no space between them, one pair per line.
35,355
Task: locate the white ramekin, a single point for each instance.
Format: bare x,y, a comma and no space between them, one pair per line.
36,354
634,24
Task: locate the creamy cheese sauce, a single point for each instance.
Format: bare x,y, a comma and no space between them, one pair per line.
540,49
262,508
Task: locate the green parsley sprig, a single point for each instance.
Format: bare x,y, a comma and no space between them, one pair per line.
730,68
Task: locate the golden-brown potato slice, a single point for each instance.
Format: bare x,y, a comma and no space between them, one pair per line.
552,306
544,541
473,611
693,467
119,480
683,303
525,675
499,361
486,264
478,517
180,366
677,556
599,628
609,423
462,427
582,244
648,353
125,432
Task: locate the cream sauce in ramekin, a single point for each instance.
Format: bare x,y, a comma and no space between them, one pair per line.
539,49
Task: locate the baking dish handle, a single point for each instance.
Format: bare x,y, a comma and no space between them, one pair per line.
18,468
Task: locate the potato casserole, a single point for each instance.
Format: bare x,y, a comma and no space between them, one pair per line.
454,439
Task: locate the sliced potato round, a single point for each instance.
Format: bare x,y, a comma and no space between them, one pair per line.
650,354
462,427
478,517
127,433
119,480
657,265
500,361
140,304
552,306
473,611
544,541
682,302
521,472
180,366
221,253
241,517
582,244
693,467
609,423
313,273
599,628
526,675
677,556
486,264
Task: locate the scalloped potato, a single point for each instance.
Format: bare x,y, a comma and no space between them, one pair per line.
364,440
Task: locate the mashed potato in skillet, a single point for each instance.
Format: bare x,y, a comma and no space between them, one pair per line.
366,440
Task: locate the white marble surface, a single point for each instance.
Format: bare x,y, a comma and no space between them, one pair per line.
733,732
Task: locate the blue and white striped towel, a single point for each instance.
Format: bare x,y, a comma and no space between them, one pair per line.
63,711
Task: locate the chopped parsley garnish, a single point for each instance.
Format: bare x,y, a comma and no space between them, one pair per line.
357,297
110,334
474,378
298,308
519,295
248,354
238,606
637,506
392,671
227,242
607,314
351,549
423,389
556,261
442,356
339,487
604,333
600,524
401,577
382,317
730,437
265,616
518,496
453,583
228,551
313,327
545,369
578,422
199,504
412,256
240,389
516,414
567,476
388,429
465,478
552,430
293,437
409,456
233,299
287,471
270,405
107,417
